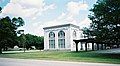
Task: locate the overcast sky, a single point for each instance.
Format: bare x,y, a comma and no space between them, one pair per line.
42,13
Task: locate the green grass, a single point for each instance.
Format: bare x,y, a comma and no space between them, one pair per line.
90,56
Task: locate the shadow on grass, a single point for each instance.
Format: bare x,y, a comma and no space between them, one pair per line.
110,55
93,54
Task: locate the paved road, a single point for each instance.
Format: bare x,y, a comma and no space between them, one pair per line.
22,62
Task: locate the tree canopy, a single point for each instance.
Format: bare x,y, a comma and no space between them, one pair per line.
8,31
32,40
105,17
0,9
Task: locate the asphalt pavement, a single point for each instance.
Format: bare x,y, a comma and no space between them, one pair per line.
29,62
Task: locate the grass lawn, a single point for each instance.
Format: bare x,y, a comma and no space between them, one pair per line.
90,56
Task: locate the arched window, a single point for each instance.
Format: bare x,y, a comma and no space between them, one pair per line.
51,40
74,34
61,39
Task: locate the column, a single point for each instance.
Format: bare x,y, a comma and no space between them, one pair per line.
86,46
76,42
56,40
81,46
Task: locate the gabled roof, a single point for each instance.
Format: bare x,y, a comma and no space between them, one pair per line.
64,25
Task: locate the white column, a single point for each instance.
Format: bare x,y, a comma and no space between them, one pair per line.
56,40
46,41
71,40
67,39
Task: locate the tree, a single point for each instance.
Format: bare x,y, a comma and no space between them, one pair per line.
0,9
32,40
18,22
105,19
8,32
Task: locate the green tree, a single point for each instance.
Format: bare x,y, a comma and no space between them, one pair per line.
0,9
105,17
18,22
32,40
8,32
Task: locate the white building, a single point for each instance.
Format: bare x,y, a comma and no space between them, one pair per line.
61,37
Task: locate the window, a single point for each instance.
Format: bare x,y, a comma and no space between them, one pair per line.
51,40
74,34
61,39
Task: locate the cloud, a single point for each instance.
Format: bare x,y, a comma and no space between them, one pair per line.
29,10
26,8
85,23
61,19
67,17
75,7
52,6
29,3
2,0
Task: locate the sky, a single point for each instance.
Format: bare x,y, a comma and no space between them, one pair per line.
43,13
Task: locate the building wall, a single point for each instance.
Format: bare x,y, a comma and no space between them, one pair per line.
56,30
78,33
69,43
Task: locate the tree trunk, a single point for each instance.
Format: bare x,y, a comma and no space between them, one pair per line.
105,46
101,46
93,46
97,46
117,45
0,50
